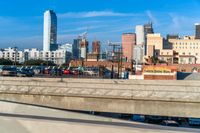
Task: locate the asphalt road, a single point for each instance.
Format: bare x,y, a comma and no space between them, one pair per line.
19,118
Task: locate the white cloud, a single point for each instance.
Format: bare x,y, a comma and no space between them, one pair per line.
84,28
152,17
91,14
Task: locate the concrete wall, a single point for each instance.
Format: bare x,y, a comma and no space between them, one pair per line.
167,98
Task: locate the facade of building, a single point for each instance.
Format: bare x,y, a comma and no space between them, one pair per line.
50,31
140,35
128,44
58,57
184,50
148,28
12,54
138,54
96,47
197,31
76,49
84,48
160,73
187,49
154,44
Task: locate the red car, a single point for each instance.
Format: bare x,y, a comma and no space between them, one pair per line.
66,72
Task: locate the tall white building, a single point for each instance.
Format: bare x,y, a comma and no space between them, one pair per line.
140,35
50,31
138,53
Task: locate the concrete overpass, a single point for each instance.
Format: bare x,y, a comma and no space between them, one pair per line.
165,98
19,118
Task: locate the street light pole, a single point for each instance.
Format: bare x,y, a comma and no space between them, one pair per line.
112,68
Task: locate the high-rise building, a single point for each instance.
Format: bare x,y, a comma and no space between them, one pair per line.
128,43
50,31
197,31
76,49
96,47
84,48
148,28
140,35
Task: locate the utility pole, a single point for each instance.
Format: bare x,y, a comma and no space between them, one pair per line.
113,54
120,54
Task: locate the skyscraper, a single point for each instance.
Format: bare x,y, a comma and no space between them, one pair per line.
76,48
197,31
50,31
140,35
128,44
148,29
96,47
84,48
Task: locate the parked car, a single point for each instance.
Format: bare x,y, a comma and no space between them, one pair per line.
66,72
9,71
25,73
75,71
170,123
194,121
154,119
21,73
90,71
56,72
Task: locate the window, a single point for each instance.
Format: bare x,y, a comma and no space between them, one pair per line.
190,60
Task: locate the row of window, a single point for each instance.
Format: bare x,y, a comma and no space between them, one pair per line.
182,53
189,54
186,47
185,43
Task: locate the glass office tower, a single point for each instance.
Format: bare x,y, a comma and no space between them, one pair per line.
50,31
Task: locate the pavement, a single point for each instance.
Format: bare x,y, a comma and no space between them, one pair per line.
21,118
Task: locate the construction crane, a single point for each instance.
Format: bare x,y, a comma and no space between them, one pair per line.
83,35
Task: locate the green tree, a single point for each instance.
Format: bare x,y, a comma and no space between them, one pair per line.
38,62
5,62
154,60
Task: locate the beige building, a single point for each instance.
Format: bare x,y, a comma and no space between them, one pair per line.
188,49
184,50
154,44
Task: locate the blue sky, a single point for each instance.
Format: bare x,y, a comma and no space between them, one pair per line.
21,21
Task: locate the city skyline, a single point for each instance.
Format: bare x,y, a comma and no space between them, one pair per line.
22,23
